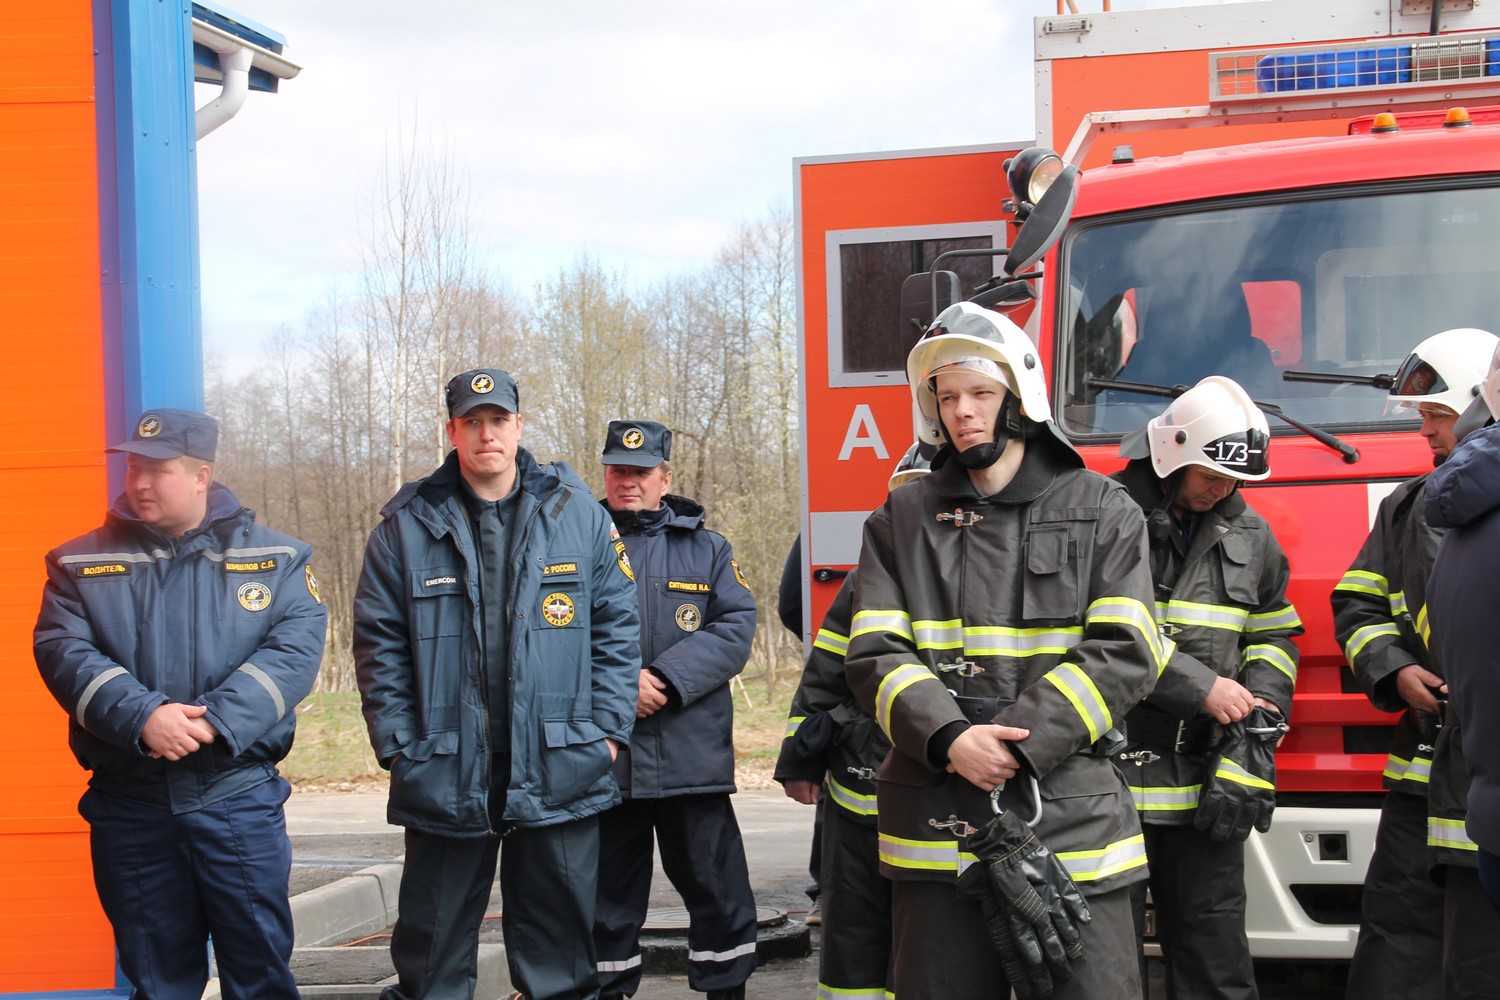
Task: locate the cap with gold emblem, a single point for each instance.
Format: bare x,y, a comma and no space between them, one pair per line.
482,387
167,433
642,443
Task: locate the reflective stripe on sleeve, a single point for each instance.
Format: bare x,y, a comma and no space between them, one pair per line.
1398,604
895,622
860,805
1424,627
1452,833
94,685
1165,798
1134,614
264,680
1363,636
892,684
1085,698
831,641
1091,866
1417,769
1363,581
826,992
1274,655
792,724
1273,621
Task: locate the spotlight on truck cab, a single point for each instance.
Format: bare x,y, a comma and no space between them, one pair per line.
1030,173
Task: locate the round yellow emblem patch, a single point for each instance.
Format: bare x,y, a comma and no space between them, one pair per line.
689,618
149,427
481,383
633,438
254,596
558,609
312,584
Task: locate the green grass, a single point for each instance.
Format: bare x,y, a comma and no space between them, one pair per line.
332,750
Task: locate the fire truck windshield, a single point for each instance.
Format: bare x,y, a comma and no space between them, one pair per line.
1343,284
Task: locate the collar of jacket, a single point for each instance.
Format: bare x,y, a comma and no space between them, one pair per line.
429,497
674,512
1039,467
1145,488
224,514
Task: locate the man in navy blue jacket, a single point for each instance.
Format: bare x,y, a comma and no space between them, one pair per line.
697,620
496,646
179,637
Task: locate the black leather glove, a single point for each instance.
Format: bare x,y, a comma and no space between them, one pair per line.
1031,907
1240,789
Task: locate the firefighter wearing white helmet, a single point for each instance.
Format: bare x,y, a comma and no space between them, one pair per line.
1200,759
1002,627
1381,621
829,756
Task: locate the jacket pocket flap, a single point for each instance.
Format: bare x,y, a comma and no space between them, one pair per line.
1238,548
436,745
1047,550
570,732
1080,775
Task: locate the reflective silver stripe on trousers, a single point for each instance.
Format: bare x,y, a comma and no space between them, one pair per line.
722,956
629,963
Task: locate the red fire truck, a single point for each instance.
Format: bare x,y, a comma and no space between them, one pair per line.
1251,215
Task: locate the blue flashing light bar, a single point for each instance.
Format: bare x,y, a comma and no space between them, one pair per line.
1443,59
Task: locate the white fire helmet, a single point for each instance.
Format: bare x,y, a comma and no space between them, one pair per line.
1446,368
1490,387
913,465
969,336
1214,425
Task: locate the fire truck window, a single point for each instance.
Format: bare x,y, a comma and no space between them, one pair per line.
869,296
1345,286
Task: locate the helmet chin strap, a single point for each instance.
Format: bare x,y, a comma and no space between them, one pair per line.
982,456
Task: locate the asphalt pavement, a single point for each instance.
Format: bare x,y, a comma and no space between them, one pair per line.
347,865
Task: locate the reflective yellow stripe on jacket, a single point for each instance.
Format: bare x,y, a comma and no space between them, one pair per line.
945,856
1274,655
1450,833
793,722
834,643
1362,581
1165,798
1363,636
847,798
1400,769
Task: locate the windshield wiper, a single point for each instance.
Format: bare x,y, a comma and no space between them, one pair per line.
1373,381
1344,448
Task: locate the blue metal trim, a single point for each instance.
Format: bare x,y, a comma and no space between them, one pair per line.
148,197
238,25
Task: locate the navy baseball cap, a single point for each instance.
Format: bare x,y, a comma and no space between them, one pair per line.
642,443
482,387
166,433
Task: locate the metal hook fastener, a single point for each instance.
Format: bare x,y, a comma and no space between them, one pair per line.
867,773
1140,758
964,668
958,826
962,518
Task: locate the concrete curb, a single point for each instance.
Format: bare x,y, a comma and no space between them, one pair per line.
362,903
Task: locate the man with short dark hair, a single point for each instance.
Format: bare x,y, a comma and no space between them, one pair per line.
496,644
697,620
180,637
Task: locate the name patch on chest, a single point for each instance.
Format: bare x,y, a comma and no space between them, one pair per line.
103,569
253,566
689,587
556,568
439,581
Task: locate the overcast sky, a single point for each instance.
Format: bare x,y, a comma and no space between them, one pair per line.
638,132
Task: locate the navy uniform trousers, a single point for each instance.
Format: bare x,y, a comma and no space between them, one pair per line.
169,882
547,884
704,858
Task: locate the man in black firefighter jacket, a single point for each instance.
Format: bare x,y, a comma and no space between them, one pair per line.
1221,580
1406,944
697,621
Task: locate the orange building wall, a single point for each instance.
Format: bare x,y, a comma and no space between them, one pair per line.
52,476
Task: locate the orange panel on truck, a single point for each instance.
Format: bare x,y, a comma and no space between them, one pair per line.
53,935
